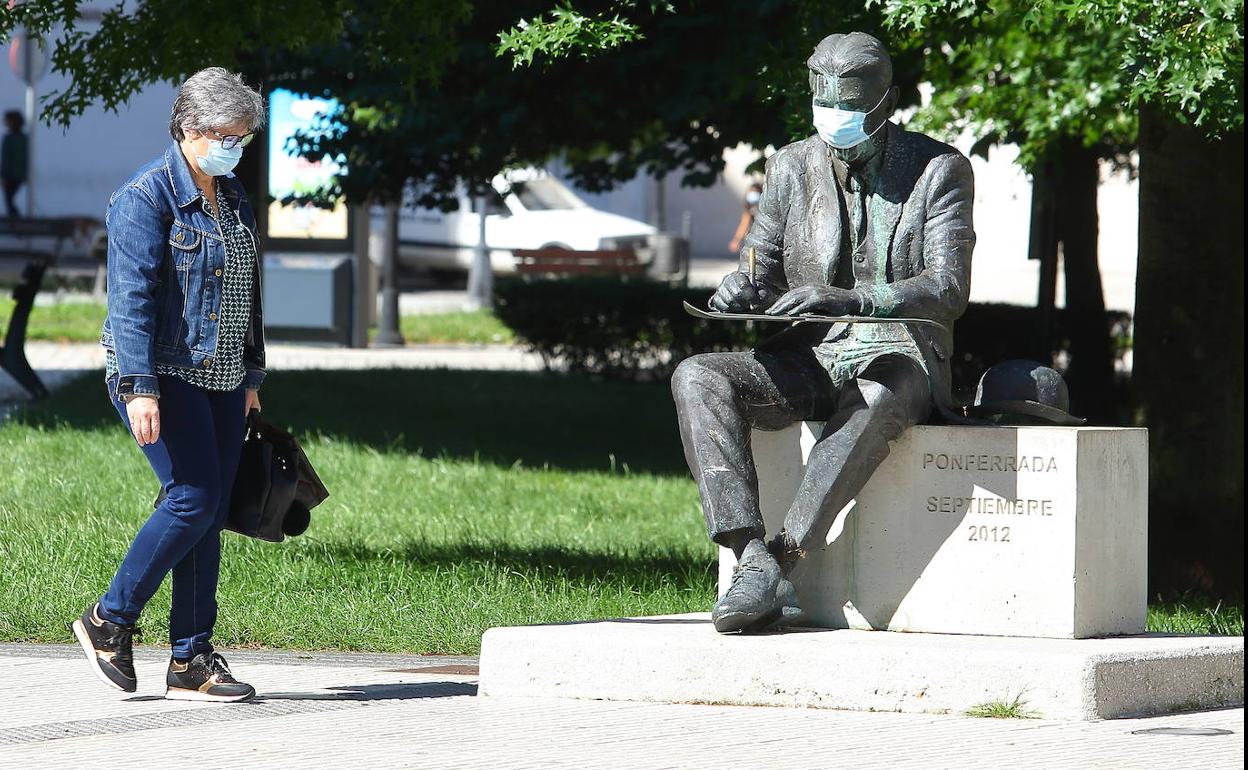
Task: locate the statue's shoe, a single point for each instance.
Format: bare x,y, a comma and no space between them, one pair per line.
759,597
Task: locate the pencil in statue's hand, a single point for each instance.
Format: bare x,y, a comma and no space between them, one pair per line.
752,263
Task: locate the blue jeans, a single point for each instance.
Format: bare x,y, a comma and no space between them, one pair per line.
195,459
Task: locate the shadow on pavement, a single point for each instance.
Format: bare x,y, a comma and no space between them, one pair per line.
349,693
643,621
377,692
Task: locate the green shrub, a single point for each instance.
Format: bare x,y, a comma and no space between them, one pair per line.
637,329
614,328
989,333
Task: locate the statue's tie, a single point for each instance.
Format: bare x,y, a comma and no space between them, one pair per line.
859,215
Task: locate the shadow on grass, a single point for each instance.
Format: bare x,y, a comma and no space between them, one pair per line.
643,567
535,419
660,621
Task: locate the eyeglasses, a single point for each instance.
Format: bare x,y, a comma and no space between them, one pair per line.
230,141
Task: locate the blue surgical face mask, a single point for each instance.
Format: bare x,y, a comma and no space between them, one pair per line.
753,196
219,160
843,129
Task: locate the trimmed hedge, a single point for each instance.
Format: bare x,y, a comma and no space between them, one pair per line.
637,329
611,327
989,333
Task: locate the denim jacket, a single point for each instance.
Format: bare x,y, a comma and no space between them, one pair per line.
166,259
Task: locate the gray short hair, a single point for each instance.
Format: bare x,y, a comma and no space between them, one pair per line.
212,98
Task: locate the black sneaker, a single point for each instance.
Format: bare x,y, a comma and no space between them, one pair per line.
108,648
205,677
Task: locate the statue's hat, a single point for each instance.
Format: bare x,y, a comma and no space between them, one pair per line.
1021,388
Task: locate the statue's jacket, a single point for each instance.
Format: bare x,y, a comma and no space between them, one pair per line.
922,209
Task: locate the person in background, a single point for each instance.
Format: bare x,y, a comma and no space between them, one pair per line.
184,358
752,197
14,160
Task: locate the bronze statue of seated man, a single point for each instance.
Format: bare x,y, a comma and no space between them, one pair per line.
862,218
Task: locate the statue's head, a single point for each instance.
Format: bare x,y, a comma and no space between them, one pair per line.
851,78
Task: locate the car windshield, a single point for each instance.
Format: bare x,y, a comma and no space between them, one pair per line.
545,195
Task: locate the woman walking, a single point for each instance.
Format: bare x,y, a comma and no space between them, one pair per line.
184,347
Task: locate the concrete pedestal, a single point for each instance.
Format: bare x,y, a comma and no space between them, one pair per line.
1012,531
681,659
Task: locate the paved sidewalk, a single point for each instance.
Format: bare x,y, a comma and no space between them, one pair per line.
327,710
494,357
707,272
54,357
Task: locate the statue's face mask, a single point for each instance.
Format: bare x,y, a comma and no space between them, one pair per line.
846,114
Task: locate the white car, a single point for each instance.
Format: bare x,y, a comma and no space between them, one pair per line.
528,209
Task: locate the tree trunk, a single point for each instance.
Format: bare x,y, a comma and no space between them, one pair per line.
1188,380
1063,213
1042,247
1090,373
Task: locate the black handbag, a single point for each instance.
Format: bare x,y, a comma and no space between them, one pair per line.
276,487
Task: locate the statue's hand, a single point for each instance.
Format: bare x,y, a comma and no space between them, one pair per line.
737,295
827,300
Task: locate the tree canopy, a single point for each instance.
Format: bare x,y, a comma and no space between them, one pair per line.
430,93
437,91
690,85
136,44
1030,73
1185,57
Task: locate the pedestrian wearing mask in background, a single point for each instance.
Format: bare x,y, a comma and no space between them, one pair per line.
184,353
752,197
14,160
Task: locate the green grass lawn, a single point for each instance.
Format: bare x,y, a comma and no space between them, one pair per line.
80,322
460,501
470,328
1195,615
65,322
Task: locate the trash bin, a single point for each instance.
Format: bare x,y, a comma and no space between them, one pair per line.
671,256
307,297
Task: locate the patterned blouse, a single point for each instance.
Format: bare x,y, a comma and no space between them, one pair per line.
228,369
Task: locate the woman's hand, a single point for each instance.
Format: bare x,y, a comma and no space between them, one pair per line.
253,401
144,415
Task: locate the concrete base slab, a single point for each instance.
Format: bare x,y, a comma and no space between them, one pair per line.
681,659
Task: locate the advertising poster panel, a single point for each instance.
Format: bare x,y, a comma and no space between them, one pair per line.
290,174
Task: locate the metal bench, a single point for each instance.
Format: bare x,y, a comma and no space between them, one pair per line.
36,244
561,262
